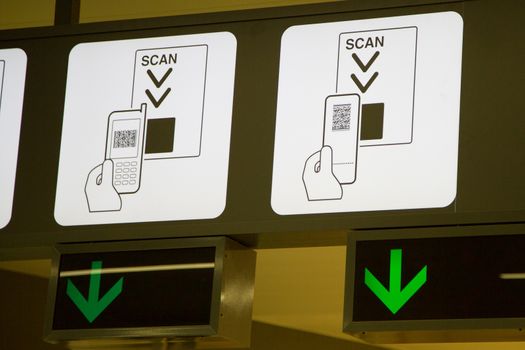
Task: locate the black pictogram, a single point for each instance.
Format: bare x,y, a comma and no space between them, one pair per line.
365,87
153,100
158,84
364,68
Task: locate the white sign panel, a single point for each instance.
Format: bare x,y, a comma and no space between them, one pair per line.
368,115
13,64
146,130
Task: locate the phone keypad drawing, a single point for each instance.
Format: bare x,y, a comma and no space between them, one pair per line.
125,143
341,130
125,173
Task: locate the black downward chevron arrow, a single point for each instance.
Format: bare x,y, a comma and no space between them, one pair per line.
367,85
365,67
153,100
153,78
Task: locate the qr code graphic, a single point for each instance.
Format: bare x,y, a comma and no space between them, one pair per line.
124,138
341,119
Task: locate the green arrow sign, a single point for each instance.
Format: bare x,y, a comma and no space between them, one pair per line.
395,298
93,306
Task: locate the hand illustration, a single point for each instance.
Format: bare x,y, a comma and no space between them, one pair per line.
100,193
318,177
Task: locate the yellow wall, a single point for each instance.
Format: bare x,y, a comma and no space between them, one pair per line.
26,13
36,13
105,10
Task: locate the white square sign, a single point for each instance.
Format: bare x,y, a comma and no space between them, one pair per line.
146,130
368,115
13,64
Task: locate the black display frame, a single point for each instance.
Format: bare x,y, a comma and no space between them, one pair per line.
426,330
205,330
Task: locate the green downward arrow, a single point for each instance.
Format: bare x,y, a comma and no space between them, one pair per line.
93,306
395,298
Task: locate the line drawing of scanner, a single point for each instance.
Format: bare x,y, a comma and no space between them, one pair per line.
172,82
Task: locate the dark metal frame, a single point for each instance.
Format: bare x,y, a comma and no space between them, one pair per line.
451,330
35,238
145,332
67,11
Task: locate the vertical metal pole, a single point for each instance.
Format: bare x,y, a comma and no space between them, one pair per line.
67,11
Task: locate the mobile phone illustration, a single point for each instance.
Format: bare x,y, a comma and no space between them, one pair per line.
341,130
124,146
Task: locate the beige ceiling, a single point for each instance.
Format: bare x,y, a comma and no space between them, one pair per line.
299,288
